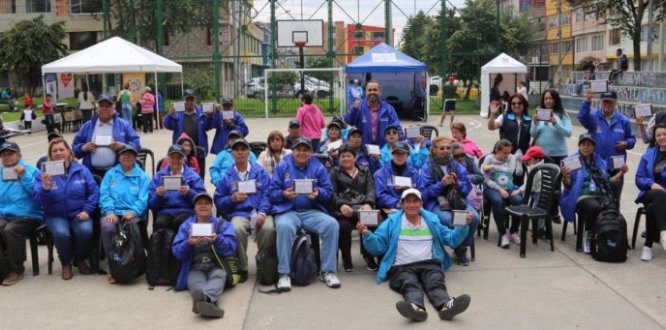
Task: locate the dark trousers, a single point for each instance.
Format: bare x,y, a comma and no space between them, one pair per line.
655,205
13,233
202,165
27,124
345,238
86,114
588,209
147,122
173,220
419,278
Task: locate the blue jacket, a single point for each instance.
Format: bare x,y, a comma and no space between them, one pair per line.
177,125
416,158
387,196
227,186
225,245
606,135
173,202
283,178
69,195
362,119
365,160
17,197
122,132
120,193
645,173
220,139
571,193
224,161
385,240
432,188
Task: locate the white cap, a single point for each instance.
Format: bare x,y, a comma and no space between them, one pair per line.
411,191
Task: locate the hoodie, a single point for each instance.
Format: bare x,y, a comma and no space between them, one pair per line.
312,121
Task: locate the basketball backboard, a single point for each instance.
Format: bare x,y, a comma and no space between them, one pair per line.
309,32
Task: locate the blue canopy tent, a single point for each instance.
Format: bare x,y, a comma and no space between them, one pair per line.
398,74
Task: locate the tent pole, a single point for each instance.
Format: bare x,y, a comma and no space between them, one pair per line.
157,107
182,85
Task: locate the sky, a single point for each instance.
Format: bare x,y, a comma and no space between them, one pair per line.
359,10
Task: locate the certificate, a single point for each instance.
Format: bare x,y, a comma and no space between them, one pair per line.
8,174
573,163
543,114
227,114
618,162
373,149
179,106
599,86
460,218
412,132
201,229
303,186
369,217
247,186
643,110
172,182
208,107
54,168
335,145
103,140
402,181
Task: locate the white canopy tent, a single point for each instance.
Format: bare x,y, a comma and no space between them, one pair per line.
512,72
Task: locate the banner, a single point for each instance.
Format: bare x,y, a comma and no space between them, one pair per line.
136,82
52,86
65,85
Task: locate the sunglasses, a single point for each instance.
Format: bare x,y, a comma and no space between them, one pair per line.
392,132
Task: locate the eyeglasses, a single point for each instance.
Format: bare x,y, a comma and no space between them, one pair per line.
392,132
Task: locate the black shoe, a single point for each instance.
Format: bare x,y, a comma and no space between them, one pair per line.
197,297
371,263
461,255
411,311
556,219
644,234
210,309
454,307
541,233
243,276
348,266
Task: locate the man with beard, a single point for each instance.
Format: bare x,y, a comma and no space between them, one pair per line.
373,116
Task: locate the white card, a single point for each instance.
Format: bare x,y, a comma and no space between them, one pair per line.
573,163
543,114
335,145
247,186
402,181
54,168
303,186
208,107
227,114
643,110
618,162
8,174
412,132
459,218
103,140
373,149
599,86
179,106
172,182
201,229
369,218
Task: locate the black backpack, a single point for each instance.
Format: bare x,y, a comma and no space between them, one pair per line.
609,238
127,258
267,266
162,267
303,266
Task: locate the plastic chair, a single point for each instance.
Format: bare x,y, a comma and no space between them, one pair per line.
637,222
34,252
143,154
257,147
427,130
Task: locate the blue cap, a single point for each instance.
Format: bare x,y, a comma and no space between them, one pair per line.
105,98
202,195
127,148
400,146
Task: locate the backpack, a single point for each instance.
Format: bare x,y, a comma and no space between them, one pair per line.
127,258
162,267
609,238
303,266
230,264
4,264
267,267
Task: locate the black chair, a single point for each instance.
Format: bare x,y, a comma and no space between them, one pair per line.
34,252
637,222
484,217
142,156
550,181
159,164
257,147
326,160
95,254
427,130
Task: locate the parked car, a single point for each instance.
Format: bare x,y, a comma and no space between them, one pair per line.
318,88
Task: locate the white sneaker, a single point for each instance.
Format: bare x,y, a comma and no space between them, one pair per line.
504,243
662,241
646,255
284,283
586,244
331,280
514,238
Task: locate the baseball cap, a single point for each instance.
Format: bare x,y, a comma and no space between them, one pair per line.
177,149
393,127
202,195
240,141
533,152
127,148
227,100
188,93
410,191
235,132
354,130
105,98
586,136
302,141
8,145
400,146
609,96
334,123
294,122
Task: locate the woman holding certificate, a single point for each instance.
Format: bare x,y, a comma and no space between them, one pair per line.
551,126
514,124
68,194
276,150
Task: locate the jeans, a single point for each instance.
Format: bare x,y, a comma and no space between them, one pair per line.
211,283
265,237
63,230
313,221
498,204
13,233
126,112
445,217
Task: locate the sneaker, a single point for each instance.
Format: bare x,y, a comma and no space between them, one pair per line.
454,307
243,276
461,255
411,311
586,243
284,283
210,309
197,297
370,263
662,241
331,280
504,243
12,278
556,219
348,266
514,238
646,255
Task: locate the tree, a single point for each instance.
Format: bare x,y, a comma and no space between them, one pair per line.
29,45
433,48
627,15
318,62
413,36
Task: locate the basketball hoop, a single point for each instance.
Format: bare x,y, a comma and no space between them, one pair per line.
299,44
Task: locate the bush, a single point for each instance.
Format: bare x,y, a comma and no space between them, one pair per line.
202,83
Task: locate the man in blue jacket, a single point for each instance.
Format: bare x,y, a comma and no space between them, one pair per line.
224,126
412,242
241,195
225,160
171,207
611,130
299,209
99,139
19,214
373,116
193,122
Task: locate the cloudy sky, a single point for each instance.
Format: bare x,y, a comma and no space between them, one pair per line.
359,10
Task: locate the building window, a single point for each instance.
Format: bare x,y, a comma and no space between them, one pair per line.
37,6
7,6
82,40
377,35
581,45
614,37
85,6
564,19
580,15
358,35
358,50
646,33
553,48
552,22
597,43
